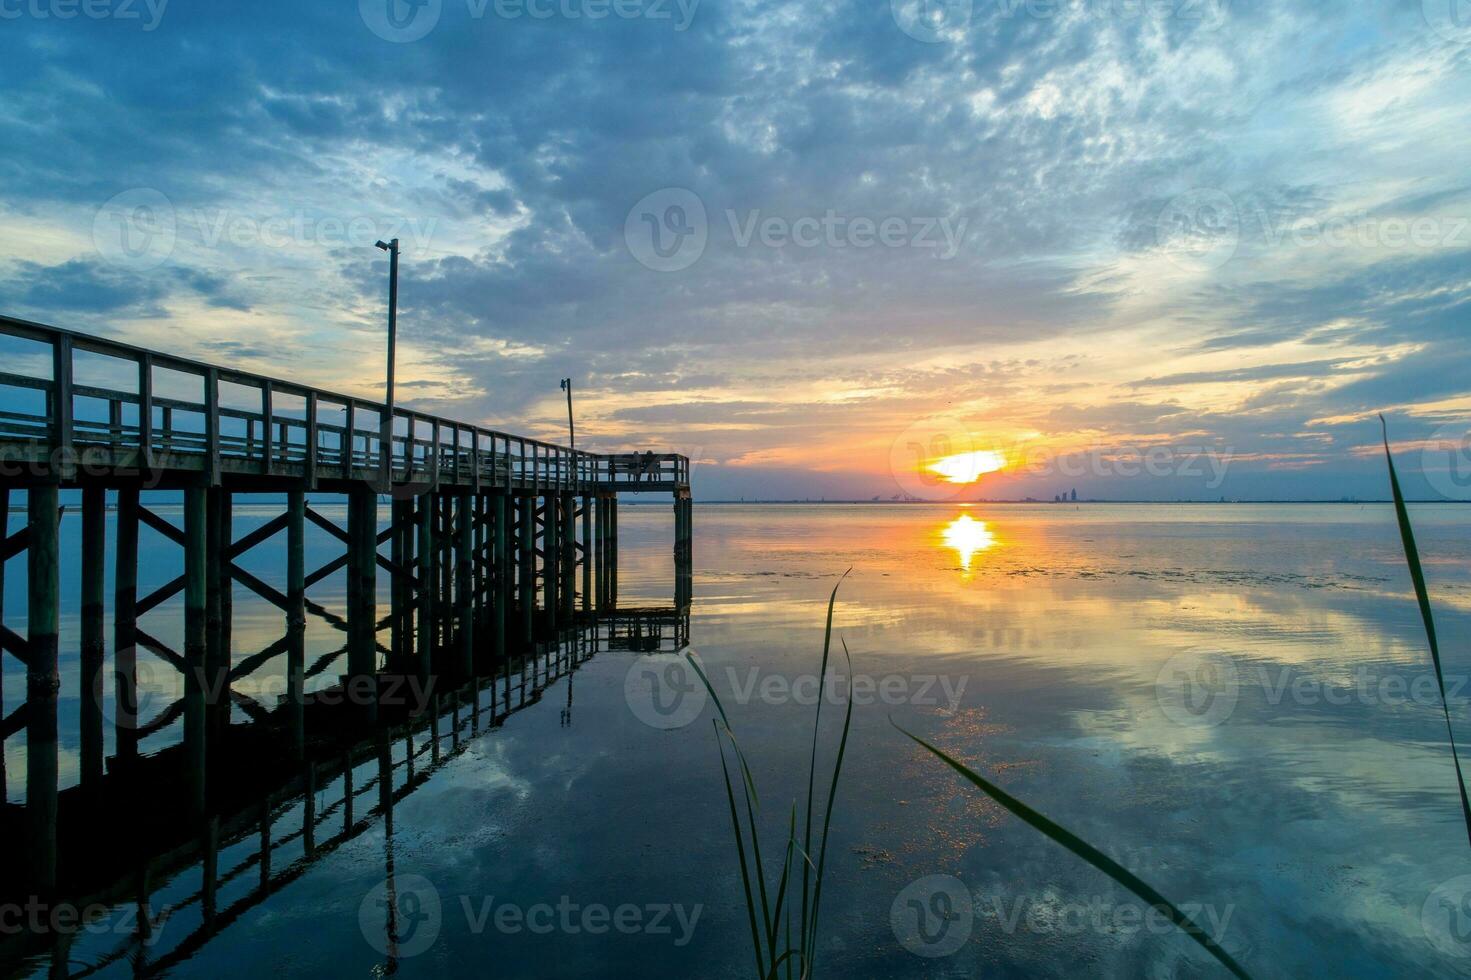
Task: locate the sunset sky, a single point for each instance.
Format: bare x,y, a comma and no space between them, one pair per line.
1077,230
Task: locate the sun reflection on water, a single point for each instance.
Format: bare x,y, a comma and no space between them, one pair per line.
967,536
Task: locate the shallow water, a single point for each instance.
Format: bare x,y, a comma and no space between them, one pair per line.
1235,701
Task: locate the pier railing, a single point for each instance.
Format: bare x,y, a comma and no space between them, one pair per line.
69,402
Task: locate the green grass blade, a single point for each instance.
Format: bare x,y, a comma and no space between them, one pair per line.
729,733
832,795
1090,854
735,825
1422,596
827,636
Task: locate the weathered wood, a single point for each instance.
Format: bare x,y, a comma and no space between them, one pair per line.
587,559
296,616
42,684
465,627
551,557
362,583
196,558
427,586
526,547
125,626
94,559
62,408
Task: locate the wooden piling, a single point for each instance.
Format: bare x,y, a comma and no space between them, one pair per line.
427,587
464,575
296,617
196,509
527,579
125,627
42,684
94,558
362,598
587,562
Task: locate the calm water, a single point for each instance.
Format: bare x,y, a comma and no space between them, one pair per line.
1235,701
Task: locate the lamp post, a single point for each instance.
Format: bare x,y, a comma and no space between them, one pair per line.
385,432
571,431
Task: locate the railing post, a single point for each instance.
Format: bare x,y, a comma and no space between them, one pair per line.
311,440
348,436
62,422
145,411
212,426
266,437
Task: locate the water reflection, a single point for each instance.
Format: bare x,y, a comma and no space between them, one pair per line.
967,536
274,816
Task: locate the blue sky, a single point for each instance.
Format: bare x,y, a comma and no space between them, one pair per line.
792,240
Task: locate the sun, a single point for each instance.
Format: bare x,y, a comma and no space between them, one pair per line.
967,467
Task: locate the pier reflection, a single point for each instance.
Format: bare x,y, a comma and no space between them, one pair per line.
276,803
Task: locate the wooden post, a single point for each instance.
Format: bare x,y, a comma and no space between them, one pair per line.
401,517
217,577
94,557
587,562
427,587
612,551
42,684
362,585
196,510
501,563
551,554
62,424
465,628
527,577
125,627
568,524
296,616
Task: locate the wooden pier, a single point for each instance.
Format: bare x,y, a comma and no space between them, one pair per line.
494,546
